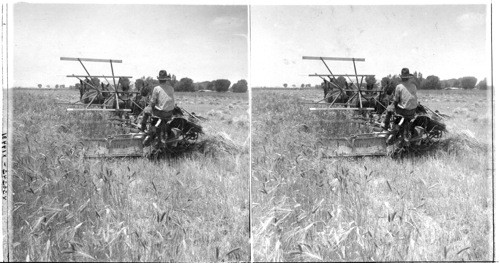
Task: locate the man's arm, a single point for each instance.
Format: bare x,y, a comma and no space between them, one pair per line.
397,95
154,98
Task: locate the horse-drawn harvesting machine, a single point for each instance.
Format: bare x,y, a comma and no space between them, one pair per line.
116,97
354,111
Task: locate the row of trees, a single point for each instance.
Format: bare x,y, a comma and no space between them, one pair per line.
430,82
465,83
433,82
57,86
187,85
295,86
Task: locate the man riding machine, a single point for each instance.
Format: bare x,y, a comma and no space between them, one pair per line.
403,108
160,110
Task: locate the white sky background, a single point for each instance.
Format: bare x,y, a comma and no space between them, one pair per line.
199,42
449,41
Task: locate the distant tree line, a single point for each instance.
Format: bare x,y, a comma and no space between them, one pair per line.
302,86
188,85
433,82
57,86
466,83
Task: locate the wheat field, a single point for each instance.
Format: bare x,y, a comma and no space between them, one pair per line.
198,206
432,207
193,207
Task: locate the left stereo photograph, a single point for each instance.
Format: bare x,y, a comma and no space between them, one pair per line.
128,133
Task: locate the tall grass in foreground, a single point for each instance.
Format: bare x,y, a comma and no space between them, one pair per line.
191,208
433,207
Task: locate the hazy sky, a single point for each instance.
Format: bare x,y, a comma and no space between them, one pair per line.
199,42
449,41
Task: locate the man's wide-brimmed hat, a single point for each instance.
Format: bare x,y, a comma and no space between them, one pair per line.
163,75
405,73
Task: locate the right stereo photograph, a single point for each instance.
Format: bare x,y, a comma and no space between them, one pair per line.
372,132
